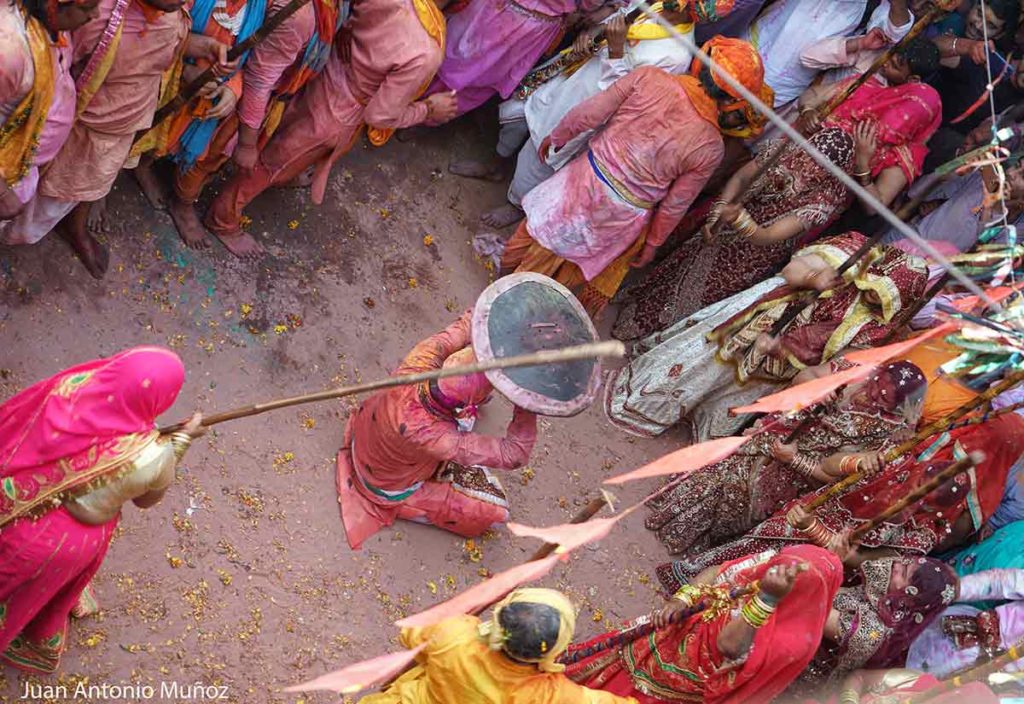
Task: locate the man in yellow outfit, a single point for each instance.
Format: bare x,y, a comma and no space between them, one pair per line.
509,660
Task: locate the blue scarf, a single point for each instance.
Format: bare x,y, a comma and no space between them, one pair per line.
196,138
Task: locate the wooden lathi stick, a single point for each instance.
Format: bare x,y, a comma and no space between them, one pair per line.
941,425
644,626
590,350
188,92
974,459
939,8
980,673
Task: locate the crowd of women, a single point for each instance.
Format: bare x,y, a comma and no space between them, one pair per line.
814,567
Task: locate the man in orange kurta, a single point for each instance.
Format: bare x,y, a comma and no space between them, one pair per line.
372,79
409,452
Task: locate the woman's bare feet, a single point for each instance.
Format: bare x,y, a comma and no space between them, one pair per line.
150,185
502,216
191,231
493,170
97,221
86,606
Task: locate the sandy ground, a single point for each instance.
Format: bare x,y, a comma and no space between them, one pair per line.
242,575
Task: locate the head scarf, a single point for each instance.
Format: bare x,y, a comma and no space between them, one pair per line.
907,116
741,61
464,391
494,635
81,424
897,388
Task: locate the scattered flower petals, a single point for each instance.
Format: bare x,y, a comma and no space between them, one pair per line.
362,675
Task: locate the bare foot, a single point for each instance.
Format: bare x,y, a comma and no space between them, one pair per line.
191,231
97,221
502,216
493,170
91,253
151,187
241,244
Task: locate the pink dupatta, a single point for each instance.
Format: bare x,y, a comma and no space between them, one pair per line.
81,424
907,117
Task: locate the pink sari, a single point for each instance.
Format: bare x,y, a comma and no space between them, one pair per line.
56,437
907,117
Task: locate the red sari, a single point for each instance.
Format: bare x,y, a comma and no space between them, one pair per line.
907,116
57,438
683,663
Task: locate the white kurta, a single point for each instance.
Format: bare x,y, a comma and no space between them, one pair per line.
789,27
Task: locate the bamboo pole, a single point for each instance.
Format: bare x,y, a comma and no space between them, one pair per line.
188,92
926,432
588,512
590,350
981,672
918,493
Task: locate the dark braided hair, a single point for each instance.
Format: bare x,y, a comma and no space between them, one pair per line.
530,630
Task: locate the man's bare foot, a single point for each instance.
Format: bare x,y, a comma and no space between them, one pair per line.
191,231
91,253
493,170
241,244
502,216
97,221
150,185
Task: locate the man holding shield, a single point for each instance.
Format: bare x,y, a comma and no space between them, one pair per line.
410,452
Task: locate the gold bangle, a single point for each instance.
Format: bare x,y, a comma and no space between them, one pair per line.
756,612
180,441
849,696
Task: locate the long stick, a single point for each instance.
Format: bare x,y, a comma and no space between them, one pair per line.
924,22
643,627
938,426
919,493
590,350
980,673
190,91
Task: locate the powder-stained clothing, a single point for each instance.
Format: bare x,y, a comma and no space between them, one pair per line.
17,75
393,57
656,150
458,667
396,443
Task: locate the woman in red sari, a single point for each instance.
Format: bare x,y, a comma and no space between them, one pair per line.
942,520
73,449
717,658
891,126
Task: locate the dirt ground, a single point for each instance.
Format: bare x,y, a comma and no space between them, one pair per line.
242,575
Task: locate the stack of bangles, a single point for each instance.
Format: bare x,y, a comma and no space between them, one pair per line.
758,609
688,594
716,212
804,464
849,696
863,177
849,464
818,533
745,224
180,441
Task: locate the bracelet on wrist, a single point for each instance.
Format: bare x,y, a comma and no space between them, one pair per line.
804,464
180,442
756,611
849,696
818,533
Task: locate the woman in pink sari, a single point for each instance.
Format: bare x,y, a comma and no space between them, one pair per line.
73,449
892,126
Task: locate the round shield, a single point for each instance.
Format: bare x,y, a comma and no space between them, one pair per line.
525,313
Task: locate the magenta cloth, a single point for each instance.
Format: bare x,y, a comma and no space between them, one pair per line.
654,144
45,564
492,44
56,428
907,117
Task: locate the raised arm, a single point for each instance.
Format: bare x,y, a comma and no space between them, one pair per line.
431,353
446,442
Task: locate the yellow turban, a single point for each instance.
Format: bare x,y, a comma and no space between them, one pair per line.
494,635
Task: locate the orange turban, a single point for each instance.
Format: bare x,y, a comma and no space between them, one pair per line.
741,61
